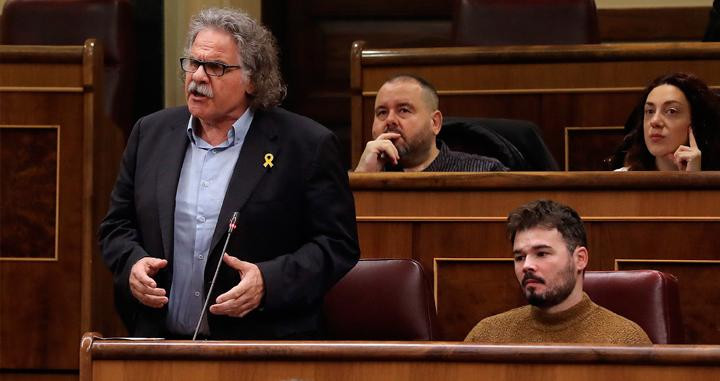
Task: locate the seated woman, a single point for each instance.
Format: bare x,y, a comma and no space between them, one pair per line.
676,127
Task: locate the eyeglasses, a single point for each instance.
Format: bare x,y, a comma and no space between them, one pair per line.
215,69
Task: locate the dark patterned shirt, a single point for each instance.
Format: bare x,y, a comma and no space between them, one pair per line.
455,161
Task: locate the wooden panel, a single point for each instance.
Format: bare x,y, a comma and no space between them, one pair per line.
587,148
385,239
699,296
663,239
37,328
496,204
557,69
653,24
469,290
68,76
58,180
607,108
484,239
385,370
28,166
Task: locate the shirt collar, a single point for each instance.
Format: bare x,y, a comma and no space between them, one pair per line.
236,135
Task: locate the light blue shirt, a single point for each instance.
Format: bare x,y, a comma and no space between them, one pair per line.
204,179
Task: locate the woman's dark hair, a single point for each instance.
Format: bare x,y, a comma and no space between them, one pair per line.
705,120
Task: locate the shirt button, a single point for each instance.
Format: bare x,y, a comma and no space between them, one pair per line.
197,293
205,184
200,256
201,219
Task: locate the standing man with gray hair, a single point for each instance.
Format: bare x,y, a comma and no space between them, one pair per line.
186,170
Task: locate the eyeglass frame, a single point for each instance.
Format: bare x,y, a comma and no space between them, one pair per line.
199,63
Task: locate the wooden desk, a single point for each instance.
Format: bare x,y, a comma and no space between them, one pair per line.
58,163
577,94
150,360
454,224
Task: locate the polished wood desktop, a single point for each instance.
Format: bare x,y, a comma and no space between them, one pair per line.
148,360
579,95
454,224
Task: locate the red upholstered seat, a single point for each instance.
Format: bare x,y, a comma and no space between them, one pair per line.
71,22
525,22
382,299
647,297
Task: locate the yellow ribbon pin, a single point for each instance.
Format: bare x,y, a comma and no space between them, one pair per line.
268,160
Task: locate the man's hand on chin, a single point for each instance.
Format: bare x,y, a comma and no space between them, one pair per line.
379,152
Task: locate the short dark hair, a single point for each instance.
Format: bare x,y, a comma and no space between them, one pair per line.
705,121
430,92
550,215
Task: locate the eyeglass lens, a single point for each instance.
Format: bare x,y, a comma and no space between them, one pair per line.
211,68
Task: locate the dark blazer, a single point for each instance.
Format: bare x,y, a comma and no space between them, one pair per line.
296,222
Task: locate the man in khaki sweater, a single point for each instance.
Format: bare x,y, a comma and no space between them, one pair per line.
550,252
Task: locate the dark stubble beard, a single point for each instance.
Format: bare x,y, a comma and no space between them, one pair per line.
414,152
555,295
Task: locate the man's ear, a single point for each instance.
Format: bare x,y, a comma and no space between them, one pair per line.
436,119
581,258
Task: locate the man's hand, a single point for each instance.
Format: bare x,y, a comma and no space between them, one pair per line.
143,287
688,158
379,152
244,297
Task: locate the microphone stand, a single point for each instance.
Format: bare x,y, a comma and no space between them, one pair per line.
231,228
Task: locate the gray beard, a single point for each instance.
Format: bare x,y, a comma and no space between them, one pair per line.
200,88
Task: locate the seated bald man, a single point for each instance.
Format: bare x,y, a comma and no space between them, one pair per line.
550,252
407,122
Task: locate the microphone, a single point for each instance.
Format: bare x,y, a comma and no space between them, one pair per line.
231,228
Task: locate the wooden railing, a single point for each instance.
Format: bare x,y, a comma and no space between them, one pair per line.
287,360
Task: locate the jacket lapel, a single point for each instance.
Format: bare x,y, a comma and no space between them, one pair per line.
168,175
260,140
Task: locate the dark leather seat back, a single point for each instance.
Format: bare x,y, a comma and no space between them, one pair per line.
71,22
525,22
649,298
516,143
382,299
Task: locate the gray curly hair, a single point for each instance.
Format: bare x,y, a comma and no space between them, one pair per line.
258,51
